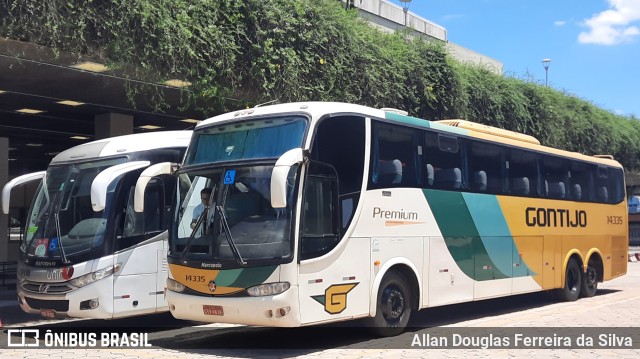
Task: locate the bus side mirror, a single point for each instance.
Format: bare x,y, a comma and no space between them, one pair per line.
280,174
164,168
100,184
6,190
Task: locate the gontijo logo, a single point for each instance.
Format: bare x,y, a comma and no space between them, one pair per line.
335,297
555,217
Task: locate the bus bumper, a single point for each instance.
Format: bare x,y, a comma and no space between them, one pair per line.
69,304
280,310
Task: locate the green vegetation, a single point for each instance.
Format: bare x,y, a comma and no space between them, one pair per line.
242,53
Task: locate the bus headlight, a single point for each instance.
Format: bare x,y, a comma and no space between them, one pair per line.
268,289
175,286
95,276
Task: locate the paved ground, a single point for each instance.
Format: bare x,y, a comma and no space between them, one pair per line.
616,305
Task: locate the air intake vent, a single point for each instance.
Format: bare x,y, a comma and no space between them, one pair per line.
472,126
608,157
395,110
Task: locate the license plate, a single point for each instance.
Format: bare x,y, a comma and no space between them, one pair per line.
48,313
212,310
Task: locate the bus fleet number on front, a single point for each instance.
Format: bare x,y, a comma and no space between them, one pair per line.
194,278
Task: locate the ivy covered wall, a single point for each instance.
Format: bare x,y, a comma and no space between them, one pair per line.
241,53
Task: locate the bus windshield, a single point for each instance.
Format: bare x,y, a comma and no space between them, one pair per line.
62,223
263,138
226,216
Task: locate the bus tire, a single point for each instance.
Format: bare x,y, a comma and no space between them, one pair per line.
572,282
589,283
393,304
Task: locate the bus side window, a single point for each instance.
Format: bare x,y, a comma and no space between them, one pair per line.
523,174
319,225
520,186
616,184
430,175
581,181
487,166
395,157
603,194
389,172
480,181
603,184
133,221
556,176
154,208
448,178
444,167
600,192
137,227
340,142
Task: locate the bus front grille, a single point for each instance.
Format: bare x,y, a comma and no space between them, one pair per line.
46,288
57,305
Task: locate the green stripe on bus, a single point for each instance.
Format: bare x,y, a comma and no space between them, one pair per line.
320,298
226,277
461,235
495,233
414,121
244,277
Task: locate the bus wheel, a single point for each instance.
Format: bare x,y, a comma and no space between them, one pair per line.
572,282
589,281
393,306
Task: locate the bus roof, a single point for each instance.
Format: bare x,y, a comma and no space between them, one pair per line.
125,144
497,135
315,109
468,128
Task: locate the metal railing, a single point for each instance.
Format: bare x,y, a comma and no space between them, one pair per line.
395,14
8,273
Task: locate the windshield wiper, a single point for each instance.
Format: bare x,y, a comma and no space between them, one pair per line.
193,232
227,233
204,215
62,254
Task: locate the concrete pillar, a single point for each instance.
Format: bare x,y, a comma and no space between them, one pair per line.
113,124
5,254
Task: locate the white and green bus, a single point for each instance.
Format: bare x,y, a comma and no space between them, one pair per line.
307,213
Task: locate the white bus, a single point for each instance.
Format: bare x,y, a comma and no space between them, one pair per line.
85,252
321,212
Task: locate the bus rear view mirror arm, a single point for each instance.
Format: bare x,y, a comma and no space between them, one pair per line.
100,184
280,174
164,168
6,190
